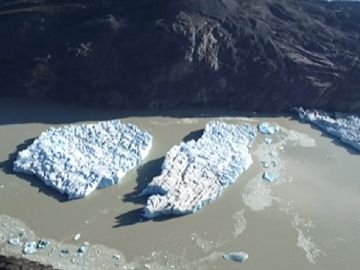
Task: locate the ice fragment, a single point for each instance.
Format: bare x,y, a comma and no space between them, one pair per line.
236,257
30,247
267,128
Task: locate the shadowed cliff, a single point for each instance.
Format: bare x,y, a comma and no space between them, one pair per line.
12,263
263,55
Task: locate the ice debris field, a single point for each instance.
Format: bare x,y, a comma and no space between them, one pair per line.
78,159
343,126
196,172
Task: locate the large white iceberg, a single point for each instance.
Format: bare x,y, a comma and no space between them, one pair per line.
77,159
343,126
196,172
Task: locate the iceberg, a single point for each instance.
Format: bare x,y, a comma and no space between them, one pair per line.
342,126
196,172
78,159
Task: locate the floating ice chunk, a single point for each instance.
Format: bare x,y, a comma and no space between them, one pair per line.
268,140
42,244
77,159
267,128
64,252
196,172
30,247
14,241
269,176
77,237
117,257
343,126
236,257
264,164
83,248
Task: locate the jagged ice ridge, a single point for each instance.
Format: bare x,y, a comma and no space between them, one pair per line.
77,159
343,126
196,172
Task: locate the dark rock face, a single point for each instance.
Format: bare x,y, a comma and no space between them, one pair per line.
264,55
12,263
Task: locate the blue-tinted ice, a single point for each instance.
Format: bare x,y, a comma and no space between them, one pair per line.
195,173
343,126
77,159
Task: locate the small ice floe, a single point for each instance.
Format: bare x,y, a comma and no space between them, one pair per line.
236,256
2,186
269,176
42,244
77,237
264,164
78,159
267,128
268,140
117,257
14,241
83,248
30,247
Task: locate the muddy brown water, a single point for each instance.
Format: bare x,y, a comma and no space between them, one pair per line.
312,223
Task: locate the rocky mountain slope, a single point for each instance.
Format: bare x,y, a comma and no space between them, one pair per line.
263,55
12,263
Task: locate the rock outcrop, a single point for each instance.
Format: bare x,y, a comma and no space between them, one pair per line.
13,263
264,55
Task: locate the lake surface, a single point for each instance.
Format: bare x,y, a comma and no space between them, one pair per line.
308,219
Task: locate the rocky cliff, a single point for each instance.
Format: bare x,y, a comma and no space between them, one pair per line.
251,55
12,263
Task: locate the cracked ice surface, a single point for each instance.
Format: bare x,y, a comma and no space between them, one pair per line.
343,126
196,172
77,159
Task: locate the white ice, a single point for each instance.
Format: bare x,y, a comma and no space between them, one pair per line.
267,128
196,172
343,126
77,159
